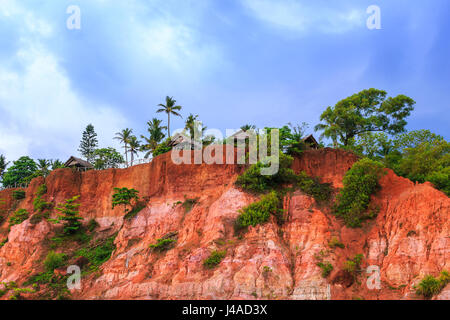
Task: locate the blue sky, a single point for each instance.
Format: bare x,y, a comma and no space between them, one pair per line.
233,62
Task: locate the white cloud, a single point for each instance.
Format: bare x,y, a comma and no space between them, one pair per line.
301,16
40,113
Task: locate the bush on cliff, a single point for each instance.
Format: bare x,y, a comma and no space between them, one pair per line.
70,216
252,180
18,194
430,286
214,259
360,182
18,217
259,212
319,191
162,148
124,196
54,260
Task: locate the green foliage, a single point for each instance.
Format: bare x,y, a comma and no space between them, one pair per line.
335,243
156,133
56,285
430,286
21,172
163,244
124,196
353,265
18,217
3,242
3,165
214,259
107,158
170,108
162,148
98,253
319,191
360,182
54,261
69,215
259,212
252,180
133,213
366,111
18,194
188,204
39,205
326,268
88,143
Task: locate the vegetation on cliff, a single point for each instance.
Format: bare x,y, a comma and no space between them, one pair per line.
360,183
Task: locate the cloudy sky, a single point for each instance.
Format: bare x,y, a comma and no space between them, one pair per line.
233,62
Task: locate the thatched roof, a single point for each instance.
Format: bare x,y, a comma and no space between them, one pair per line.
311,141
77,162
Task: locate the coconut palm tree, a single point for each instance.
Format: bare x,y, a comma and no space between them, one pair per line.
156,135
135,146
247,127
124,137
44,166
169,108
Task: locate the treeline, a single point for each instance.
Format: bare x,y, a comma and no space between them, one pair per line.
369,123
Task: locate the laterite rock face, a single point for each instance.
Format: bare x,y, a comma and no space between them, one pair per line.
408,239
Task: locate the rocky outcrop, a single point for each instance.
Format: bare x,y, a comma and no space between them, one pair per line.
408,239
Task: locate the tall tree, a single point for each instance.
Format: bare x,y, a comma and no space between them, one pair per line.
156,136
135,146
3,165
124,137
44,166
107,158
88,143
169,108
21,172
366,111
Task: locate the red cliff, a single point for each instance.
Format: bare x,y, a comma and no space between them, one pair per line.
408,239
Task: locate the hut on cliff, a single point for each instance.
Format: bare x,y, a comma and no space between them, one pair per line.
77,163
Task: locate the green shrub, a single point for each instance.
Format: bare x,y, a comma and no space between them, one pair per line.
259,212
18,194
326,268
360,182
40,205
188,204
430,286
70,216
54,261
214,259
41,190
133,213
162,148
319,191
252,180
98,253
124,196
4,241
335,243
18,217
163,244
353,265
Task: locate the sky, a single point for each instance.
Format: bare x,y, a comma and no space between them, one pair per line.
233,62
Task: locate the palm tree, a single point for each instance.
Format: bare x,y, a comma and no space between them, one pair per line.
169,108
156,135
135,146
247,127
124,137
44,166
